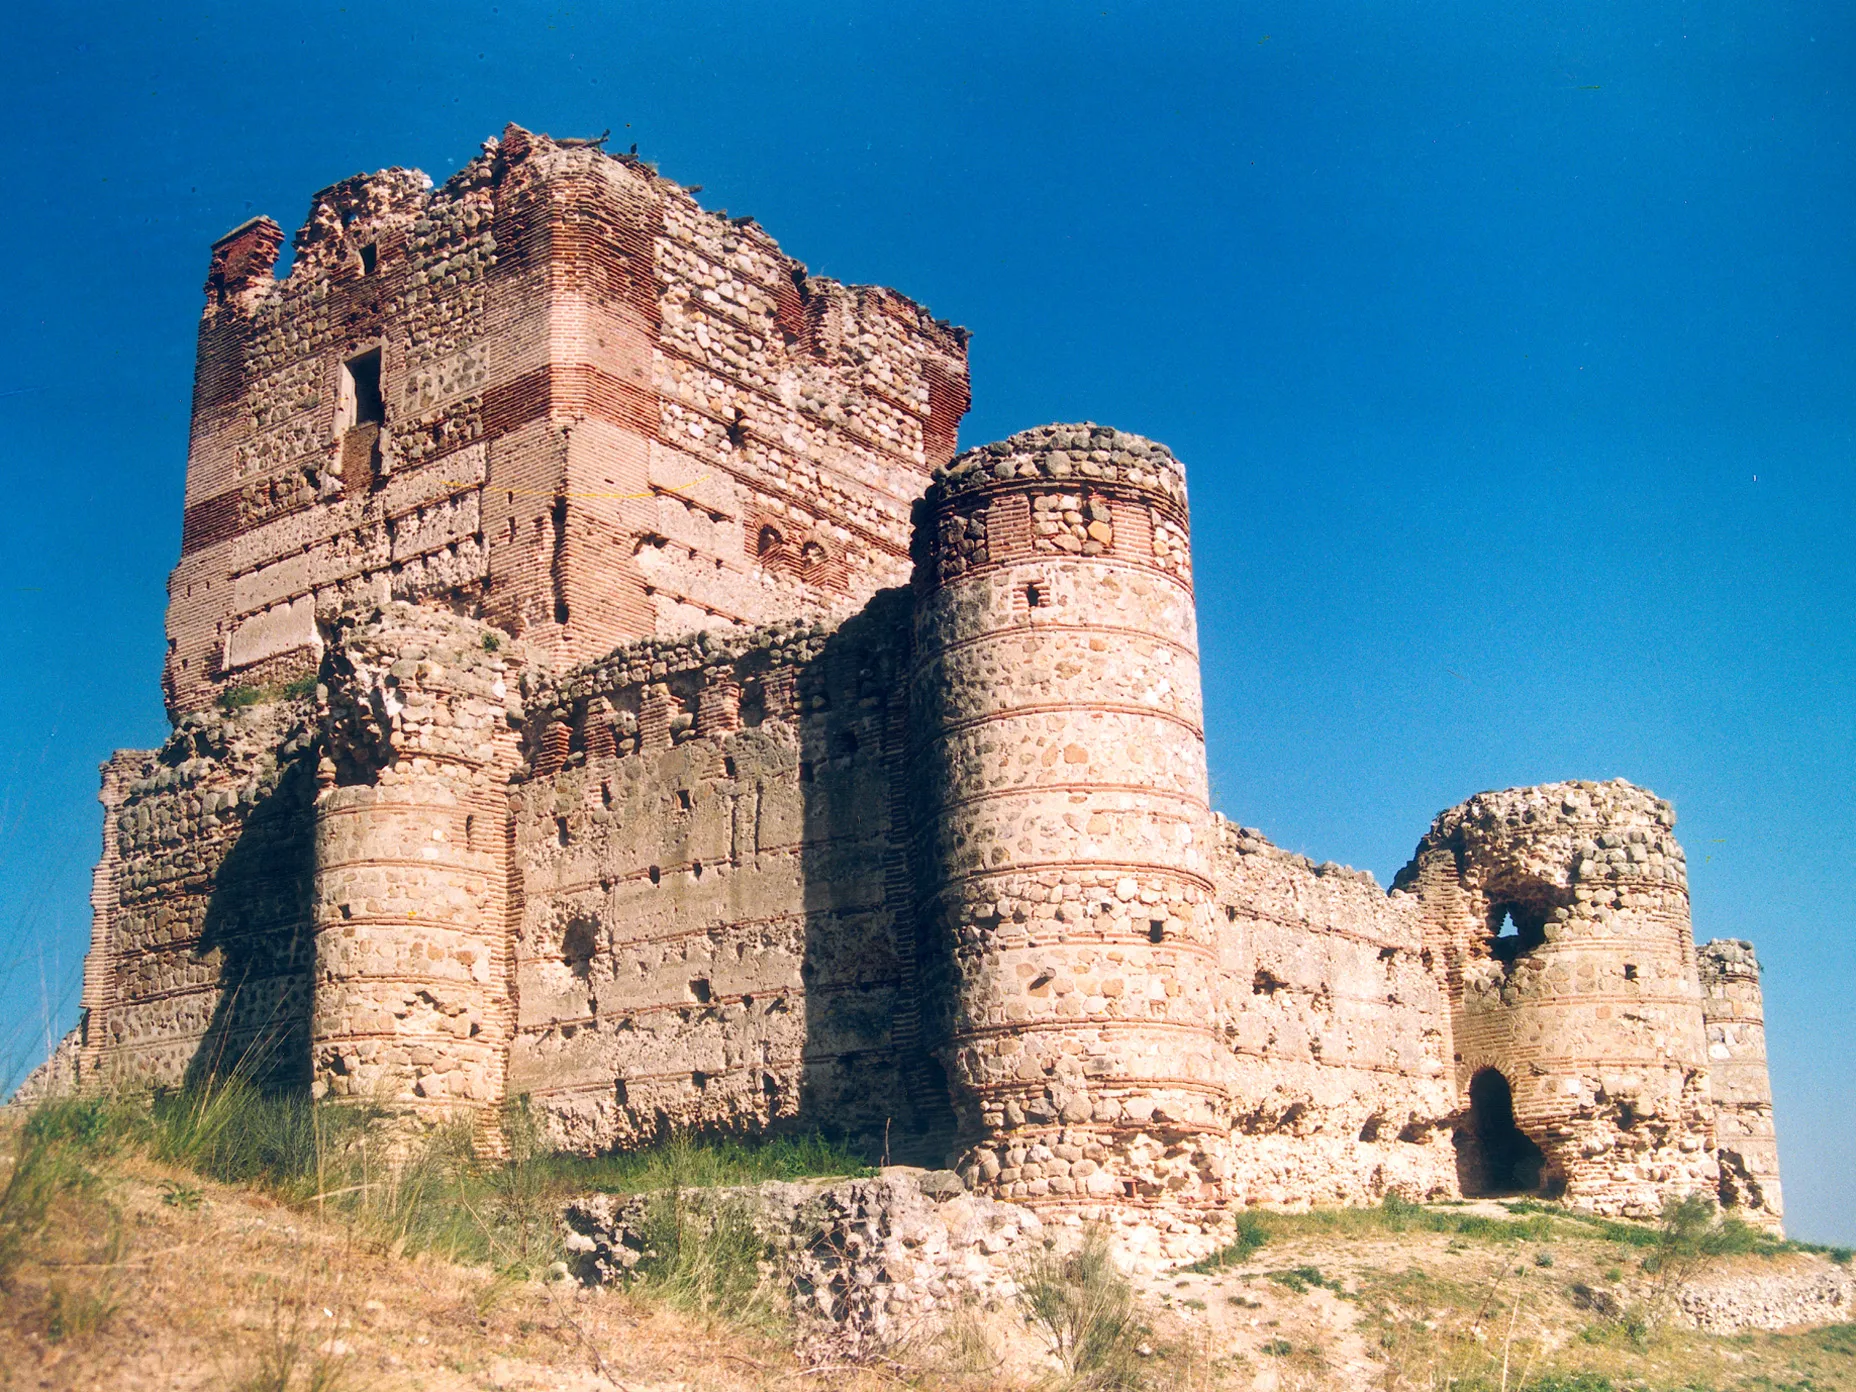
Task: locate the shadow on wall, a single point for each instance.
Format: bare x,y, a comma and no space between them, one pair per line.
868,980
1493,1155
258,922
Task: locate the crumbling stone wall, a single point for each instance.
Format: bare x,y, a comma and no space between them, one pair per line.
1338,1032
1745,1142
200,955
603,412
1589,1008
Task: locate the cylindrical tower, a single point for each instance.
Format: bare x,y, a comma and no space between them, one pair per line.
1063,820
413,1007
1561,917
1744,1139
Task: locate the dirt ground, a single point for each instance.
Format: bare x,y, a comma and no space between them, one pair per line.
172,1283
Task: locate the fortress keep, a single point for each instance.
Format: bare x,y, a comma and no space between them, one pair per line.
597,680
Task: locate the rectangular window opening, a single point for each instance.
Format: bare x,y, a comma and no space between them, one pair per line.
361,399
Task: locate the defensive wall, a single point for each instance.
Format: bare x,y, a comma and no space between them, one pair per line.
597,682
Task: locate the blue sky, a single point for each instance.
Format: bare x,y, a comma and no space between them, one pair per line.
1511,355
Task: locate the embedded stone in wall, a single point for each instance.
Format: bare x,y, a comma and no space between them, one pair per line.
273,632
1337,1031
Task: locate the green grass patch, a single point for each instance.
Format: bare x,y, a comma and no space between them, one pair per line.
1302,1279
1688,1230
237,698
1393,1215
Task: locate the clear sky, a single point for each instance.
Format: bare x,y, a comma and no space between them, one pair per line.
1509,348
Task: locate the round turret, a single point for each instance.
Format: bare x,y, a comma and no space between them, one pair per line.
413,1007
1561,915
1061,792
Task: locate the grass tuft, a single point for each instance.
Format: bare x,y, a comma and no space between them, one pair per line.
707,1261
291,1358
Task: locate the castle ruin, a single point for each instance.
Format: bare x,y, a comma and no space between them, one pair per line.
596,679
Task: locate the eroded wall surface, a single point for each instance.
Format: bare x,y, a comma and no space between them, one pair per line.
1338,1032
201,945
1745,1140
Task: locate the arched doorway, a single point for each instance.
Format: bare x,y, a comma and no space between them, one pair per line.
1494,1156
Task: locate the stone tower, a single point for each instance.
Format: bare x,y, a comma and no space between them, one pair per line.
1745,1141
413,1005
1560,916
1056,704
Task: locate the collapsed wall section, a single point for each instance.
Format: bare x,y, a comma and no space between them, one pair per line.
1745,1141
716,929
1560,917
1338,1032
553,392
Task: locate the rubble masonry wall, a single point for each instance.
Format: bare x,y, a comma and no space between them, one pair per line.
717,928
1337,1029
201,945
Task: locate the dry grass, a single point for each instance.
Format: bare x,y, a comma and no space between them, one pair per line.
244,1292
126,1264
1347,1301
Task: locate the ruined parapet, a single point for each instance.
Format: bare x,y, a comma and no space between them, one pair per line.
1745,1142
1560,915
1064,858
1337,1029
413,1007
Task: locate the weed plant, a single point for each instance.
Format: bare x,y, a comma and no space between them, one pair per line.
705,1260
1085,1311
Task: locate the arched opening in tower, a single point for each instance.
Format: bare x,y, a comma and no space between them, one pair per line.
1516,930
1494,1156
